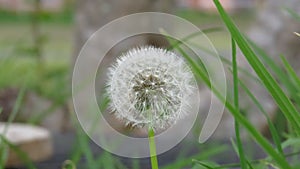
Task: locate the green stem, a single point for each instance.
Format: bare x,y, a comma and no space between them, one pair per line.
152,147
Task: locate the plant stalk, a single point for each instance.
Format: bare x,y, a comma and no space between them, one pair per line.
152,148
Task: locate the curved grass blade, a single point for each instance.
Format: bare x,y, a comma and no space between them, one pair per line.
226,61
242,120
204,31
237,115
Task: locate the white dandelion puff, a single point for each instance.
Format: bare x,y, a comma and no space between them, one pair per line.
151,87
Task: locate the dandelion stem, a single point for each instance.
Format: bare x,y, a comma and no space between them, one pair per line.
152,147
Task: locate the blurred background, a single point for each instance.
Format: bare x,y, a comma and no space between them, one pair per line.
39,43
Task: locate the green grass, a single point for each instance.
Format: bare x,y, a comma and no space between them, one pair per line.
6,145
272,86
17,60
280,97
267,79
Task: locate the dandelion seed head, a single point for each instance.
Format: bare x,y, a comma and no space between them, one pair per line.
150,86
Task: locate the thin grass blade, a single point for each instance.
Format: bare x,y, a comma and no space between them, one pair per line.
21,154
291,71
271,126
236,104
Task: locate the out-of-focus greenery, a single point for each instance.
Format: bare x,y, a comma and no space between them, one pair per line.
19,67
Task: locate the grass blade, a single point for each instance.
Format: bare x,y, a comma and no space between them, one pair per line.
15,110
203,164
246,50
242,120
272,128
4,144
83,147
3,154
293,14
269,82
204,31
179,164
22,155
291,71
281,75
236,149
236,104
86,150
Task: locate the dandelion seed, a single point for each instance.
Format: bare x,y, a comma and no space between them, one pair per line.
151,87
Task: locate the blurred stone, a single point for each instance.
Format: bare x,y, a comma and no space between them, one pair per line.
46,113
34,141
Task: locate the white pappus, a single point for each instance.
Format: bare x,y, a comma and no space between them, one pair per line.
151,87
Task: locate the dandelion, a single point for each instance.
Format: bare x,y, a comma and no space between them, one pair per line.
150,87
